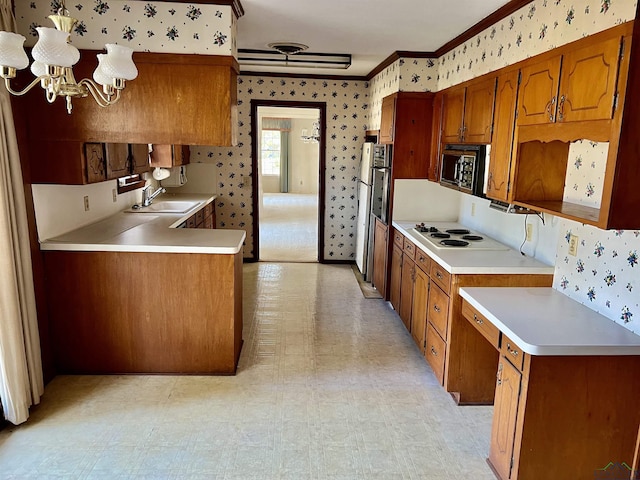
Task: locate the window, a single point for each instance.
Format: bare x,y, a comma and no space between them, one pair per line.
270,153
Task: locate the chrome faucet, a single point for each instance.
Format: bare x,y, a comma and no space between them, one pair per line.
147,198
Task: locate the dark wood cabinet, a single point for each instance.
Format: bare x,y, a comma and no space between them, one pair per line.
118,164
139,153
433,173
379,280
406,289
468,112
387,119
203,218
395,283
95,163
419,308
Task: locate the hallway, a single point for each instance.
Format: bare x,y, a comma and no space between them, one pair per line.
329,386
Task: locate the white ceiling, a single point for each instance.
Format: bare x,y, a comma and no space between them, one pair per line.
369,30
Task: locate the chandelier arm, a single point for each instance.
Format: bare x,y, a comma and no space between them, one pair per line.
98,95
27,88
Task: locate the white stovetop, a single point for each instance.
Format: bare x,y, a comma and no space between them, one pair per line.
543,321
465,261
149,232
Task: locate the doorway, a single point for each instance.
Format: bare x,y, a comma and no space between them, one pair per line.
288,191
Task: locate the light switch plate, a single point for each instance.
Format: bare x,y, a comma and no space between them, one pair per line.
573,245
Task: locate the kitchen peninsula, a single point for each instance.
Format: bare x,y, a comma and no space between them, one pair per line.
134,294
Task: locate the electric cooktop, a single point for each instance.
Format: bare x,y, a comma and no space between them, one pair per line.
453,235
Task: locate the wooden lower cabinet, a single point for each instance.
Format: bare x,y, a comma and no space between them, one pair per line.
435,352
505,409
395,284
379,280
419,308
407,290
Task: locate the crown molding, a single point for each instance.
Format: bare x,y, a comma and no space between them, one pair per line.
234,4
353,78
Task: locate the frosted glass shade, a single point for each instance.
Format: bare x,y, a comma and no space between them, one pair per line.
118,62
38,69
52,48
12,52
99,76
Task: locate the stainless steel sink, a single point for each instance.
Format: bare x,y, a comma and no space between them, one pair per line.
166,206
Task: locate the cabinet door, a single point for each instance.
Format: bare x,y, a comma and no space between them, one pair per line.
436,137
181,155
588,82
387,119
505,410
95,162
501,147
139,157
118,162
452,115
406,295
419,308
435,352
478,112
537,99
380,258
396,277
438,310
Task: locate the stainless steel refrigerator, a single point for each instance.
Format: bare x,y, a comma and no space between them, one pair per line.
363,236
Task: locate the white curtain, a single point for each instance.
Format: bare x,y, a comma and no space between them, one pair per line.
21,383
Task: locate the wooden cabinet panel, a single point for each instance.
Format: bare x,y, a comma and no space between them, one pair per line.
512,352
387,120
436,137
380,258
117,160
452,115
538,98
398,239
435,352
395,283
502,144
423,260
94,155
478,111
168,156
419,308
588,82
440,276
407,288
505,410
139,157
482,324
438,311
409,248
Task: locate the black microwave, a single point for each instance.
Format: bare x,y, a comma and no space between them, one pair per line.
464,168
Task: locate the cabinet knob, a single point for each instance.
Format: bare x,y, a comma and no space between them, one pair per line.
434,352
436,308
439,275
499,374
479,321
561,108
511,350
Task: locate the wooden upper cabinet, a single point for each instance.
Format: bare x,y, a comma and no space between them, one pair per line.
387,119
118,161
139,157
167,156
579,85
501,146
539,92
94,154
436,136
478,111
588,82
452,115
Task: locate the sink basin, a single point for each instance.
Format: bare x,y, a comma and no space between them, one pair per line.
167,206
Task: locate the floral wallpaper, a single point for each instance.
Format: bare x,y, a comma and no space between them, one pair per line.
165,27
605,274
536,28
347,120
382,85
585,173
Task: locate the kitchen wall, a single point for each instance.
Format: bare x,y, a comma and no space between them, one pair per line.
347,119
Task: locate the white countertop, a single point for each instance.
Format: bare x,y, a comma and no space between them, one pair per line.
543,321
150,232
460,261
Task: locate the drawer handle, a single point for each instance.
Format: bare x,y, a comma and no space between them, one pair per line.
439,275
479,321
499,375
513,352
421,258
436,308
434,352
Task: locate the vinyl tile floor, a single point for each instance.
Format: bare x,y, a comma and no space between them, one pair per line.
329,386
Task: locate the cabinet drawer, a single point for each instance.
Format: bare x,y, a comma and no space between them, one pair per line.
208,210
191,221
199,217
438,311
423,261
512,352
398,239
208,222
484,326
435,352
409,248
440,276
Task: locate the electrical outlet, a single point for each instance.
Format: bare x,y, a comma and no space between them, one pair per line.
529,232
86,203
473,209
573,245
115,195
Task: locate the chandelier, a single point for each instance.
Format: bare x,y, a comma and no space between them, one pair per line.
54,57
315,134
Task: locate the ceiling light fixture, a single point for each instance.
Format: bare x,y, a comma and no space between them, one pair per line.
249,57
54,57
